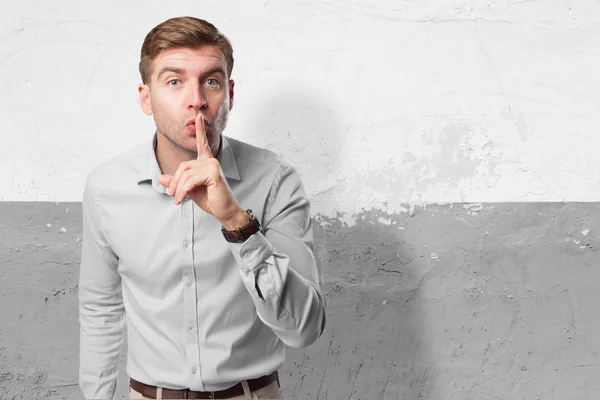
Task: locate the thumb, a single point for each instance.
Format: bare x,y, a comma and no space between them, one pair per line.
165,180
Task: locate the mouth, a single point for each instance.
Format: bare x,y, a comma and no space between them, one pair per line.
192,122
191,127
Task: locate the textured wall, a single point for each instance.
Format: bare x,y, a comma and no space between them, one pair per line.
378,105
459,302
448,148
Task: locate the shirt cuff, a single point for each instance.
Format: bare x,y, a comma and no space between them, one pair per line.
251,254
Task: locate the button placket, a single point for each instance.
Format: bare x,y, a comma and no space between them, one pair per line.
189,277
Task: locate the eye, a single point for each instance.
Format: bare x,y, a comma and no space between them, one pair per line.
173,82
212,82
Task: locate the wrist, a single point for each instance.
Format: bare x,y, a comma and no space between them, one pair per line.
238,220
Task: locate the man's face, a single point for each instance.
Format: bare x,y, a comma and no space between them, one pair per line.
185,82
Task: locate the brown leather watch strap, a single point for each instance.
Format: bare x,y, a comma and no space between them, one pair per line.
240,235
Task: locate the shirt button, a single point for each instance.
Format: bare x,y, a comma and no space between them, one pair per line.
194,369
189,282
185,243
191,326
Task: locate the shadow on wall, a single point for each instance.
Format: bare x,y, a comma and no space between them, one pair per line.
374,346
301,127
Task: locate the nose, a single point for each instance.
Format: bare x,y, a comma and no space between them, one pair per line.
196,99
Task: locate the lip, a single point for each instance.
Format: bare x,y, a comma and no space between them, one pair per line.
192,122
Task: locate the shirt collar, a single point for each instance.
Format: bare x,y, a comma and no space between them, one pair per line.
151,171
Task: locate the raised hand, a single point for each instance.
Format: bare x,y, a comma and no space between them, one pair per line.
202,180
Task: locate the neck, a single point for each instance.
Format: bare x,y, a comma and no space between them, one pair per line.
169,155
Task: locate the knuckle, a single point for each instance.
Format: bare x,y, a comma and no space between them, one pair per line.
214,165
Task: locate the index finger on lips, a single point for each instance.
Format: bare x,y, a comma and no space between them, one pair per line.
201,142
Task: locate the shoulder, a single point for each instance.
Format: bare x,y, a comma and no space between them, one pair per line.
123,168
258,160
263,164
253,154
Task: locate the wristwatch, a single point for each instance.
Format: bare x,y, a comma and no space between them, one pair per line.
240,235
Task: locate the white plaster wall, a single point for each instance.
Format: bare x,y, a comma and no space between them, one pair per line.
378,103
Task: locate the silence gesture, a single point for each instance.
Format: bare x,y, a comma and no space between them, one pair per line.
202,180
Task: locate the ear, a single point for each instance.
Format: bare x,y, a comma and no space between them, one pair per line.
144,92
231,91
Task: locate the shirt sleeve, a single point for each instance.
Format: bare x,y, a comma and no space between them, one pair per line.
101,311
278,266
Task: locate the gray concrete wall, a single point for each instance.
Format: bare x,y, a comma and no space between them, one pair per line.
457,301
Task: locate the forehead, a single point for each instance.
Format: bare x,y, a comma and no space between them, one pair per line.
194,60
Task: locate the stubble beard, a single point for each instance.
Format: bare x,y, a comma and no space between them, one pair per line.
177,137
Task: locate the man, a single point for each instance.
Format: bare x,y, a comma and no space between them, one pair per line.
199,244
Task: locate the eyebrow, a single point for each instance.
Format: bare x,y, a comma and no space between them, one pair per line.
214,70
181,71
170,69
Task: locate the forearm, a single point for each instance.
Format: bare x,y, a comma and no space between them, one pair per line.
101,337
289,303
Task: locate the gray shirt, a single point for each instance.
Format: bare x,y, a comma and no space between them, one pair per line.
200,312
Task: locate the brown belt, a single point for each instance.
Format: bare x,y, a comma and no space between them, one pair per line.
236,390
